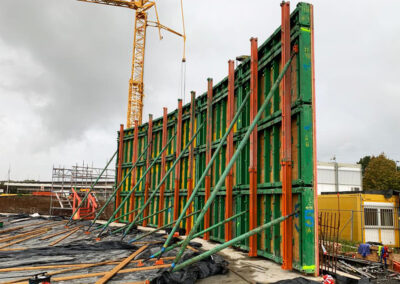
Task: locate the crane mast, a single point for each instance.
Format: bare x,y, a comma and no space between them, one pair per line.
135,96
136,86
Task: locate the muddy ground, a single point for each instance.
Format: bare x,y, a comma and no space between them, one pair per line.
29,204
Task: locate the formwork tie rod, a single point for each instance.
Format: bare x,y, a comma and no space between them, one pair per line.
91,188
136,185
229,243
118,187
164,178
207,169
227,169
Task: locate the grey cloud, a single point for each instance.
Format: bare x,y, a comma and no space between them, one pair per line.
81,57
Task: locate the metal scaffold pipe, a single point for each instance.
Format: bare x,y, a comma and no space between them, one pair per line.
209,165
229,243
136,185
117,188
163,180
232,161
91,188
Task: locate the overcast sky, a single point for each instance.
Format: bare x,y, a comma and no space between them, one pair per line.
65,66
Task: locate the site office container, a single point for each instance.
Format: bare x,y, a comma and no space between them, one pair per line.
269,148
364,217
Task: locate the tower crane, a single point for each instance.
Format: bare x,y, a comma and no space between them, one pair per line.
141,7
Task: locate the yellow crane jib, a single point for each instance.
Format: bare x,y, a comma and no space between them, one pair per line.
136,93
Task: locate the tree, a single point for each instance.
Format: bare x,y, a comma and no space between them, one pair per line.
381,174
364,161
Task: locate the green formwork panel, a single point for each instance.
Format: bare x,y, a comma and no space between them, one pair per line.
268,151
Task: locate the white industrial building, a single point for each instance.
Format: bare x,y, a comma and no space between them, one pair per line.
338,177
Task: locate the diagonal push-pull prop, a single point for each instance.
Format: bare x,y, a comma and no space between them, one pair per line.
232,161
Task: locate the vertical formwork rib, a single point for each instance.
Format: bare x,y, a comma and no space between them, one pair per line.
134,172
163,180
204,174
199,234
191,154
209,135
163,157
279,153
286,161
315,181
229,149
115,192
134,189
178,165
119,170
231,163
253,146
148,158
229,243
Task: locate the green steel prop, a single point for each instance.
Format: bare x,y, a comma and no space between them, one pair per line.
229,243
209,165
117,188
91,188
201,232
141,220
136,185
126,214
162,181
241,145
160,228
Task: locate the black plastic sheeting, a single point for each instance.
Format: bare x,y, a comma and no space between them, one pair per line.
298,280
212,265
68,252
83,249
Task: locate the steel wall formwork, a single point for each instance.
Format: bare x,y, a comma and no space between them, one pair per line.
257,180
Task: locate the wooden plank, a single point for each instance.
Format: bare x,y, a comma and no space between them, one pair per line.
19,236
88,275
24,239
117,268
192,248
64,237
14,249
22,227
20,220
25,268
61,271
25,233
57,234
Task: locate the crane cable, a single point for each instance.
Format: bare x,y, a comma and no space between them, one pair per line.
183,64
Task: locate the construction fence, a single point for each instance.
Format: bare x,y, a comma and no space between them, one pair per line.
373,224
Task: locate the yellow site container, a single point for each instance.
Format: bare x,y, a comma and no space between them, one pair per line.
363,217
